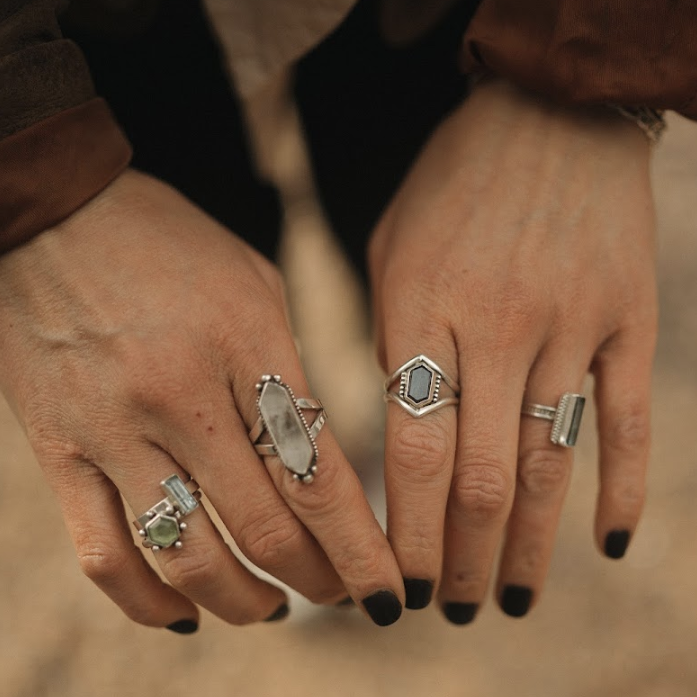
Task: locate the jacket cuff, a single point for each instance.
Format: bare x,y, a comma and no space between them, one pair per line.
629,52
49,170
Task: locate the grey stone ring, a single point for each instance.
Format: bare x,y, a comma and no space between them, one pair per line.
565,417
281,416
420,382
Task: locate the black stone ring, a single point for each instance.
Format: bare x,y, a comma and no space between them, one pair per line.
420,381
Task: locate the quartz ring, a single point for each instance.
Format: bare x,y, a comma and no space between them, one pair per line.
566,417
161,526
420,383
282,418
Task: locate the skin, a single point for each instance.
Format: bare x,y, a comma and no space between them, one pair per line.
519,255
132,337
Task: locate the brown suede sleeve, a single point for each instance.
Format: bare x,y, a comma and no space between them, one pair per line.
55,166
59,145
632,52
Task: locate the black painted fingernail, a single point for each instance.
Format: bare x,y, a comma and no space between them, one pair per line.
346,602
279,614
418,592
460,613
616,543
515,600
383,607
183,626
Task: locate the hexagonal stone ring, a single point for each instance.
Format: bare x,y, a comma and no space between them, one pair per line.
420,382
161,526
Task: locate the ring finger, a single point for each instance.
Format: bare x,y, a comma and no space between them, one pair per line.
543,475
204,569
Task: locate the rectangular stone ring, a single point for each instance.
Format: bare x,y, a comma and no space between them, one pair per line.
566,417
161,526
282,418
420,383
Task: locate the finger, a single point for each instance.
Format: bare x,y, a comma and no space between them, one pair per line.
96,522
333,507
419,456
623,396
483,482
204,569
543,475
210,437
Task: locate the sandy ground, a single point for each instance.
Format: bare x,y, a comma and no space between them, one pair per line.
603,628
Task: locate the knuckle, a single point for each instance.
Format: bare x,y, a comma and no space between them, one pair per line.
328,494
272,542
630,431
421,450
542,473
327,594
626,496
467,583
100,564
191,570
530,559
361,565
148,615
482,491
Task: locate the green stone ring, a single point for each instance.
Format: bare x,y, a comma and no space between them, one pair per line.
420,383
161,526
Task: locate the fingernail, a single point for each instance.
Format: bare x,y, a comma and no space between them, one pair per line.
383,607
418,591
460,613
279,614
616,543
183,626
515,600
346,602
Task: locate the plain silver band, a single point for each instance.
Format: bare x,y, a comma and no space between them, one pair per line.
539,411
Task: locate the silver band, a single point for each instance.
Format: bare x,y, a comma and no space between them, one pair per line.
420,382
293,439
566,417
161,526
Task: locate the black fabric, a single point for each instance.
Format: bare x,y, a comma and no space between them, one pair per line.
367,109
168,89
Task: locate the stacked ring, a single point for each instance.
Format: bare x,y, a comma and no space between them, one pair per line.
161,526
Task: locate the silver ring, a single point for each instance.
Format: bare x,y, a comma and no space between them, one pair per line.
293,439
420,381
566,417
161,526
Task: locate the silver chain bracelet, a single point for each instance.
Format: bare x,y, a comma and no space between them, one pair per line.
650,121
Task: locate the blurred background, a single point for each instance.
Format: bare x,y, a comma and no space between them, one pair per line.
602,628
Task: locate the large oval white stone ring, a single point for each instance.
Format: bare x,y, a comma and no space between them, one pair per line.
420,383
282,418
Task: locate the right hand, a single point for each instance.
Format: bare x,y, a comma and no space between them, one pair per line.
132,336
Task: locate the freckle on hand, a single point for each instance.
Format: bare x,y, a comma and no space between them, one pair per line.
210,429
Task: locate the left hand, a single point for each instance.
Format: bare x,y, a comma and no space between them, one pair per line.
519,256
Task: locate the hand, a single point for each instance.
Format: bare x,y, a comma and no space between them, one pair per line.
132,337
519,256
